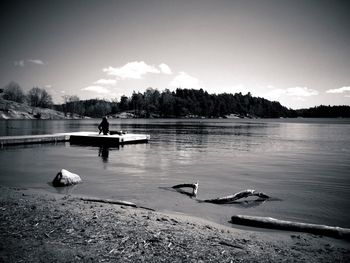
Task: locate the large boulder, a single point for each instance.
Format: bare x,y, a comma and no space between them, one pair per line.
66,178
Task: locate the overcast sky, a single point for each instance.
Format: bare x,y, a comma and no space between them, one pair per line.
295,52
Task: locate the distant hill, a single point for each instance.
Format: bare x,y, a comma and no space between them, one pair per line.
191,103
15,110
182,103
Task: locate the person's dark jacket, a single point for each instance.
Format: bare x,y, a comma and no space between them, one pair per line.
104,126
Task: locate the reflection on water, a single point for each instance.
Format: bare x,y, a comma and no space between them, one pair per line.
302,163
186,192
67,190
104,152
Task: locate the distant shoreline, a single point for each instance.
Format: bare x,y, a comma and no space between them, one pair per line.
258,108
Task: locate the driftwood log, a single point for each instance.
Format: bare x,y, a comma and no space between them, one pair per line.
232,198
65,178
114,202
109,201
194,187
272,223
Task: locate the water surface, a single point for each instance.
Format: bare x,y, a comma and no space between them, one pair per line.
303,163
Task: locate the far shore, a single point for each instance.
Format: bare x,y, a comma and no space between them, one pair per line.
45,227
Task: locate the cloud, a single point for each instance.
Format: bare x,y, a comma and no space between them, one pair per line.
22,63
131,70
301,92
48,86
296,92
36,61
340,90
185,81
276,93
165,69
19,63
106,82
97,89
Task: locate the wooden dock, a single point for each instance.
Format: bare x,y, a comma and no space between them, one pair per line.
114,139
75,137
30,139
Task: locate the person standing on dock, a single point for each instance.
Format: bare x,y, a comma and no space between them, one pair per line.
104,126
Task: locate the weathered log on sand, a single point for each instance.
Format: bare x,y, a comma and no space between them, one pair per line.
114,202
66,178
109,201
194,187
269,222
232,198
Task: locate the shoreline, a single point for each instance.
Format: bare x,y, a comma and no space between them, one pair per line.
36,226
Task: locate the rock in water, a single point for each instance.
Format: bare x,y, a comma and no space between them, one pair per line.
66,178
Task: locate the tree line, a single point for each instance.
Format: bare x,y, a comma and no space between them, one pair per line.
35,97
324,111
181,103
184,103
199,103
94,108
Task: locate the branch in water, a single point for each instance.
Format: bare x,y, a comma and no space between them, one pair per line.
232,198
194,187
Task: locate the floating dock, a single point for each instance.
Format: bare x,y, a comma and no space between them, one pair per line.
76,137
114,139
30,139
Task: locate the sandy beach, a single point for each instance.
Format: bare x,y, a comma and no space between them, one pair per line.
41,227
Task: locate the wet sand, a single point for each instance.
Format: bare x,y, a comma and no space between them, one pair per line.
41,227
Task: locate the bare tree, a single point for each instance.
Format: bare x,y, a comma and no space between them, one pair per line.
72,105
46,99
13,92
39,98
34,97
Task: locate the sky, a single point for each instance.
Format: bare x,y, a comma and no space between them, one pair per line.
295,52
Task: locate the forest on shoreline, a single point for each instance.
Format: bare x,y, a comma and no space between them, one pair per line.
181,103
191,103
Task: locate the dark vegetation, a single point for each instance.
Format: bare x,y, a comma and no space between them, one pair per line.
325,112
94,108
179,104
182,103
36,97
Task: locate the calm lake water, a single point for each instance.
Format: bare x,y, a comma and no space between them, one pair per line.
303,163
